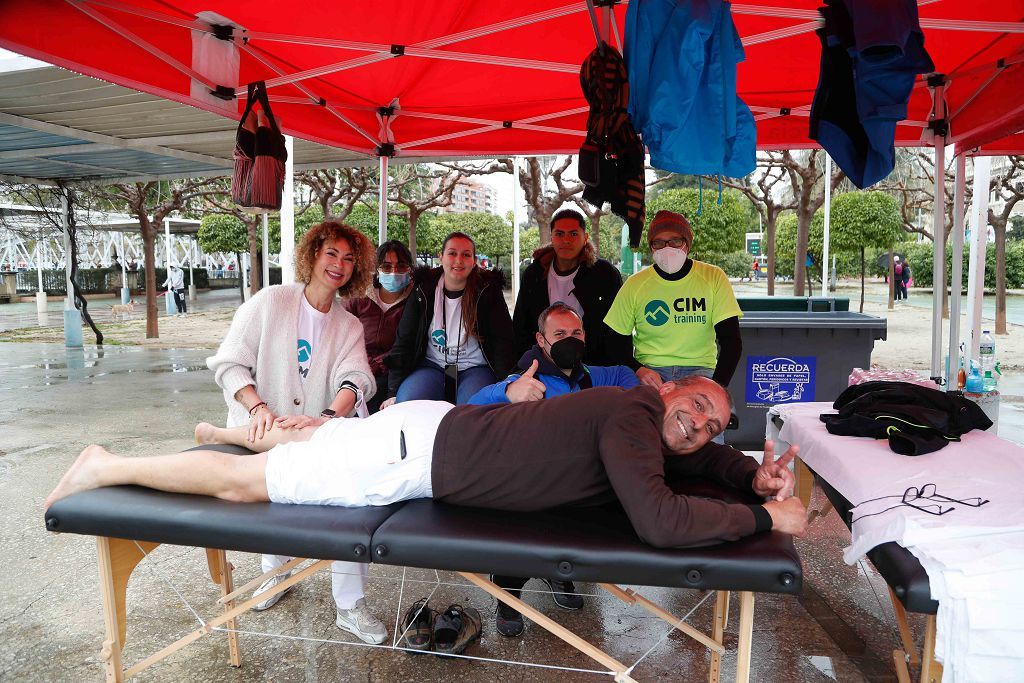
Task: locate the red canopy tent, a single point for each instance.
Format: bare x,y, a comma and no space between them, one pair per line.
457,79
480,78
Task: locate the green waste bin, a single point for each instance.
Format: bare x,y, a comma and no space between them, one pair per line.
795,356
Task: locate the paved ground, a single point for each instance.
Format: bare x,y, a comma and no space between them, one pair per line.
143,401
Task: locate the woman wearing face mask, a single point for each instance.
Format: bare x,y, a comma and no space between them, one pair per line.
455,336
381,310
684,312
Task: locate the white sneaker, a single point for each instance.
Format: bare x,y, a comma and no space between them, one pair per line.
266,586
362,623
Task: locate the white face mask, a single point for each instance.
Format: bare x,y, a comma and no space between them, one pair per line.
670,259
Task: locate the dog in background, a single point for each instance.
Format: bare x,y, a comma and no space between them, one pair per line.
123,309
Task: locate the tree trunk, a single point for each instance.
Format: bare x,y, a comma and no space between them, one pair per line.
892,282
770,232
80,302
414,219
803,229
862,279
149,260
255,271
1000,234
241,280
595,233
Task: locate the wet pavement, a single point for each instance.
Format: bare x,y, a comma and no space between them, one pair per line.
144,401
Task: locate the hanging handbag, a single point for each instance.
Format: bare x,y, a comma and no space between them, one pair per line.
260,155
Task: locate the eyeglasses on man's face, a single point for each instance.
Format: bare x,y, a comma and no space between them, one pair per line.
675,243
387,268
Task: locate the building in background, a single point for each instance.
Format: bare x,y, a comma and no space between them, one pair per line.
469,196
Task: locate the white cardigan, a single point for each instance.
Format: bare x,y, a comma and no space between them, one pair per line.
261,347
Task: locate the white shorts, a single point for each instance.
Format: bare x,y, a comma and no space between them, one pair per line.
352,462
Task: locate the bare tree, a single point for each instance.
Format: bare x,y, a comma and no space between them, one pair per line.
533,178
1010,190
337,190
761,191
44,198
220,202
150,203
808,191
421,187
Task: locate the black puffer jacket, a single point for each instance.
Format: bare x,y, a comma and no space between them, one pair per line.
494,327
915,419
595,285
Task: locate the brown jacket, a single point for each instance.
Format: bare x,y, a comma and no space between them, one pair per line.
588,448
379,330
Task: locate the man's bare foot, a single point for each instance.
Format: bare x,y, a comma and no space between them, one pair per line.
81,476
206,433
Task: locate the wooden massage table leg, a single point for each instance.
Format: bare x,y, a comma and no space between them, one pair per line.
117,559
552,627
718,633
746,634
931,670
221,573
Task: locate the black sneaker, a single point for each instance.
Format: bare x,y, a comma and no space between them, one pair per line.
564,594
418,626
508,621
455,628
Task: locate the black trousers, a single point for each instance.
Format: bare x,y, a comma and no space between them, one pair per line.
180,300
513,584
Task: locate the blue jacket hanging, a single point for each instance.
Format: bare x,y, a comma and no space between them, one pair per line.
871,54
682,60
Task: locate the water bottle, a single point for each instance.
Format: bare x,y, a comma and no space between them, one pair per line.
987,356
975,383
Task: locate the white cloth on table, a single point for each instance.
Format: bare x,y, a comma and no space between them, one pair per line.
974,556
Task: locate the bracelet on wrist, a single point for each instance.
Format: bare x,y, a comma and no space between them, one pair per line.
252,411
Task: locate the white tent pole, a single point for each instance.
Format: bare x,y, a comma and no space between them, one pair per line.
515,227
169,305
244,267
979,242
957,268
288,215
126,292
828,218
265,282
382,220
938,229
40,292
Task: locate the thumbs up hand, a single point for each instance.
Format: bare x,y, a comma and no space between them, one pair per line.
527,387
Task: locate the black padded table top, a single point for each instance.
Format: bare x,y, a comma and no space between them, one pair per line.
142,514
588,544
584,544
897,565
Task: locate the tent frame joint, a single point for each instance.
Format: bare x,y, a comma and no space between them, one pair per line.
940,127
224,32
935,80
398,50
223,92
386,149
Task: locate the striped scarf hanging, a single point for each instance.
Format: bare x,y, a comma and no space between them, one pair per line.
611,161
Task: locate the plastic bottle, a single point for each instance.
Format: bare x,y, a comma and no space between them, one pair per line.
975,384
987,357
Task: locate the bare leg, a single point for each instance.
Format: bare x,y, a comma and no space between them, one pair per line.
207,473
207,434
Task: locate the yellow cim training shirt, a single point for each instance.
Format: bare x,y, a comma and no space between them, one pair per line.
673,321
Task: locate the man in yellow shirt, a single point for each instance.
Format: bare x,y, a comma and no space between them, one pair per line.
682,314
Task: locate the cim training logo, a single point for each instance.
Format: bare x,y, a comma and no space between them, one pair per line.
305,351
440,339
656,313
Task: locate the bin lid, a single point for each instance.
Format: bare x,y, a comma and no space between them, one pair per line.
825,320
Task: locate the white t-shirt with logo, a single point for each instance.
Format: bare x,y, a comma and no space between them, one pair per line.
447,338
560,288
311,325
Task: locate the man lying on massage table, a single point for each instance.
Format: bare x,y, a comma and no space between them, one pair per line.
578,449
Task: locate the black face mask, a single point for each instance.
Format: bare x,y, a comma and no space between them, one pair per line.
567,353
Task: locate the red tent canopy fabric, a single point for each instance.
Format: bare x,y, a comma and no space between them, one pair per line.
469,78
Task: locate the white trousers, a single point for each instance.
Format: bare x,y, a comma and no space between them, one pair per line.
348,579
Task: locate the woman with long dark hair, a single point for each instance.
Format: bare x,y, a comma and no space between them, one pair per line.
455,336
381,310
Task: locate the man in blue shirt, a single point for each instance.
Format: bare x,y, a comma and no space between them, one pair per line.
552,367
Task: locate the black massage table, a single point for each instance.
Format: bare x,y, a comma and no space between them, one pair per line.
909,589
581,544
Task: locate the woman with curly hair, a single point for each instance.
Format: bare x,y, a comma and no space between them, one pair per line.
294,357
